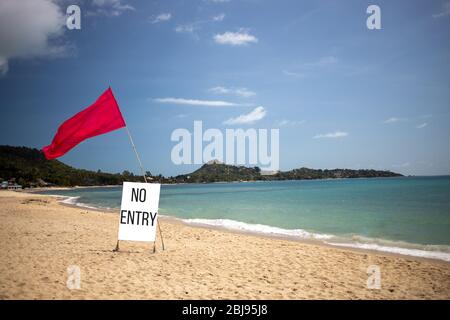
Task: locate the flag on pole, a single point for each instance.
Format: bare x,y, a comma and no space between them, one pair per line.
101,117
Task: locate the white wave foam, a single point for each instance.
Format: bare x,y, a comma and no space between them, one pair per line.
74,201
438,252
257,228
432,254
70,200
360,242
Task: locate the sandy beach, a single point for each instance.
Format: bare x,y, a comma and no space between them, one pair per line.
41,238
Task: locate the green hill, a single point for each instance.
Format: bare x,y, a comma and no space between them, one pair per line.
29,167
306,173
216,172
219,172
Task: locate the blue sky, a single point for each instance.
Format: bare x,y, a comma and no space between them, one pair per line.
342,95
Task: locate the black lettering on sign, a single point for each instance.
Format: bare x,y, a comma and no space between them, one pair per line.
135,217
123,216
153,217
138,195
145,218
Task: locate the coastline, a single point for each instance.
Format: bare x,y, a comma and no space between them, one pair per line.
56,188
380,246
42,238
39,189
172,219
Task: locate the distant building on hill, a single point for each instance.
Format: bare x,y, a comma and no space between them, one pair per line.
14,186
10,185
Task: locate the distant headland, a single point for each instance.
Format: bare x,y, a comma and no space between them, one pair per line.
28,167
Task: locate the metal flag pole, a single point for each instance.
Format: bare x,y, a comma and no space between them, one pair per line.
145,179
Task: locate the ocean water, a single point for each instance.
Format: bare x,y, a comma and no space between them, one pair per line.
407,215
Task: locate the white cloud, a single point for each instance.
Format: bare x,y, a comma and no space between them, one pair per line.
255,115
282,123
196,102
219,90
444,12
289,123
197,25
239,38
219,17
332,135
422,125
241,92
30,28
218,1
419,126
391,120
111,7
188,28
394,120
162,17
244,92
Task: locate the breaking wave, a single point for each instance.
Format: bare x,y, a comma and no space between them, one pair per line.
257,228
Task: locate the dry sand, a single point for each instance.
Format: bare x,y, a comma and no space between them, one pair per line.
40,239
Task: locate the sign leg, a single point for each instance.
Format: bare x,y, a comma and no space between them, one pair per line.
117,247
160,232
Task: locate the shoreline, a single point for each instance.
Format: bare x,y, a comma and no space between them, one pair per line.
56,188
305,240
42,238
39,189
311,242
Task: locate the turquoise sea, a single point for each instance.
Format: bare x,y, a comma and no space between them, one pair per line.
407,215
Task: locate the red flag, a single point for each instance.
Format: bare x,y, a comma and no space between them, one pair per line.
101,117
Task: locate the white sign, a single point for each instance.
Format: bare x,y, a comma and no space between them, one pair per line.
138,211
